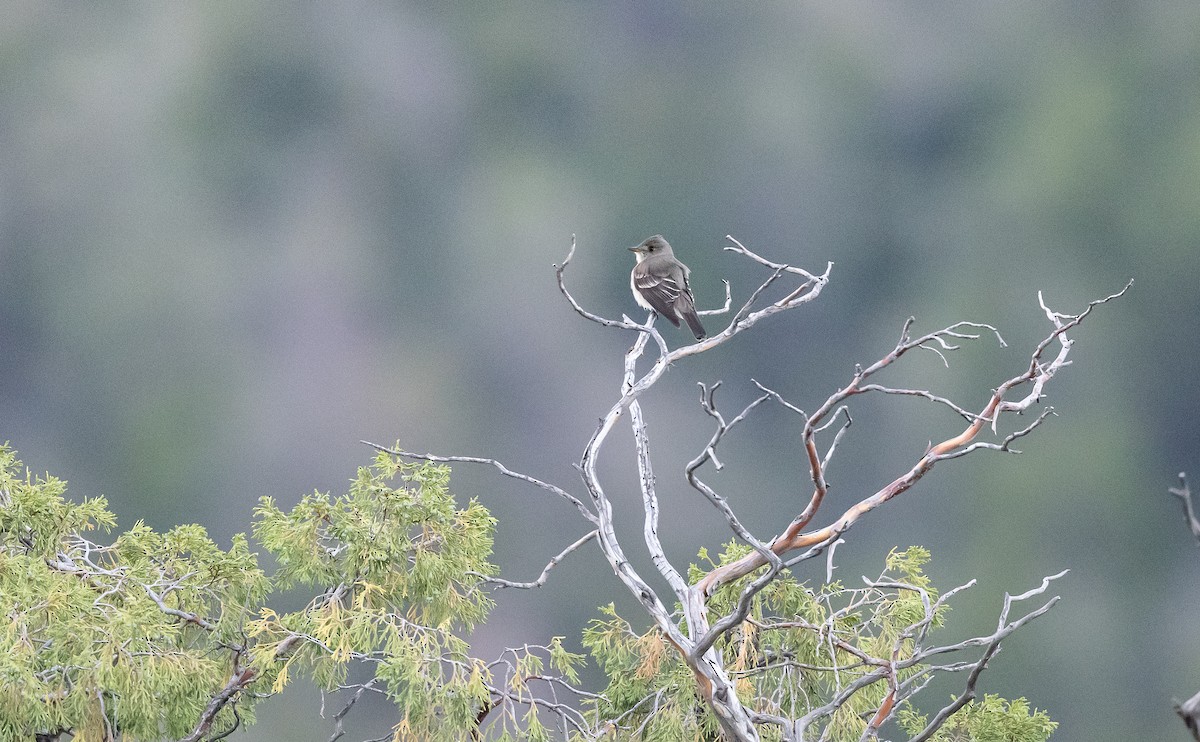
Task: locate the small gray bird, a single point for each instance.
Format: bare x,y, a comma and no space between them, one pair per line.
660,283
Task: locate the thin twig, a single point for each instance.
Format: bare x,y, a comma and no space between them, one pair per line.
340,716
541,580
491,462
562,287
1003,630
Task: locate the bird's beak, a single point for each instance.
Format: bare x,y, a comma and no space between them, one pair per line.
637,248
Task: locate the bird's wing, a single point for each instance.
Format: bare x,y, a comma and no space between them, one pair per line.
687,283
659,291
685,306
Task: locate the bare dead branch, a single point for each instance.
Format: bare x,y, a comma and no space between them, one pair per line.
724,308
541,580
992,643
512,690
650,503
829,568
805,292
625,323
741,250
583,510
708,404
607,538
187,617
1037,374
939,338
340,716
814,423
646,475
1184,493
745,308
815,465
967,415
710,675
887,669
1189,711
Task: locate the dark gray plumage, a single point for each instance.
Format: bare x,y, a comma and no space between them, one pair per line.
660,283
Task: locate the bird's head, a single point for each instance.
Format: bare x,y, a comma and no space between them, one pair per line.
655,245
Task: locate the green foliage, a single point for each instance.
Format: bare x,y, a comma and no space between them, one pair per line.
84,645
400,569
361,537
991,720
796,650
137,637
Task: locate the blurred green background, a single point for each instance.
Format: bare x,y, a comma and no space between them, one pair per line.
237,238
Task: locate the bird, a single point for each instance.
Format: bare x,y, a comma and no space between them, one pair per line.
660,284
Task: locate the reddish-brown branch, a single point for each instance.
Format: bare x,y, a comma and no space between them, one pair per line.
794,537
820,487
885,708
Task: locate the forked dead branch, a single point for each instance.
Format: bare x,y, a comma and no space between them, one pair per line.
682,615
1188,710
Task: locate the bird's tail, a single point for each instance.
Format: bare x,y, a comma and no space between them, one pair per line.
689,315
